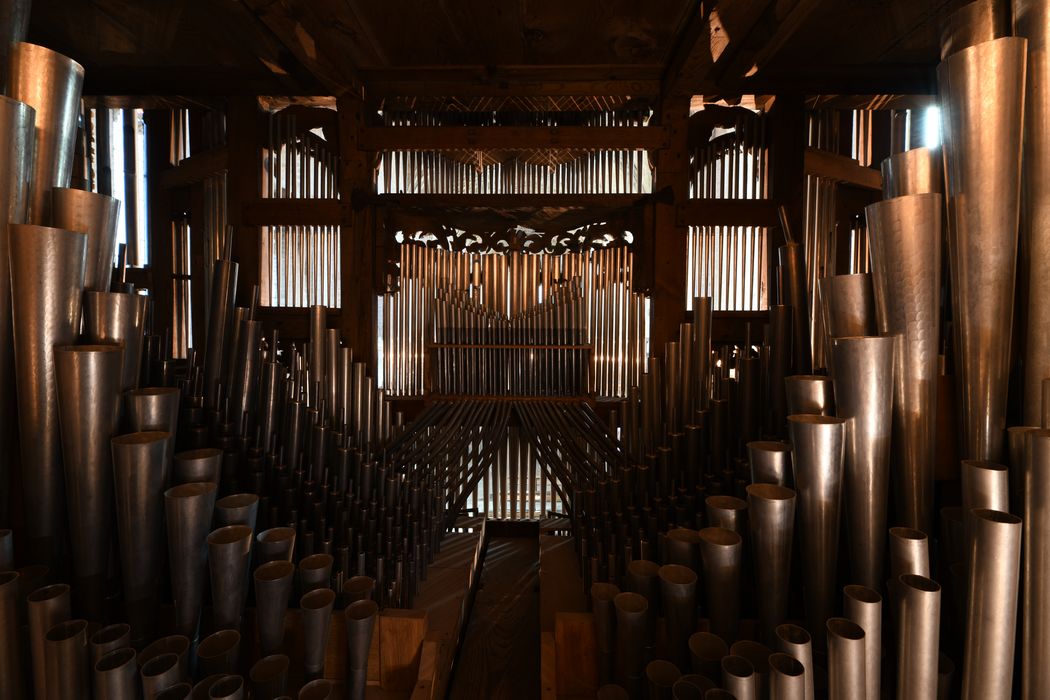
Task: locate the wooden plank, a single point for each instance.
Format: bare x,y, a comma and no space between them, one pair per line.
510,201
401,634
265,211
511,137
832,165
511,81
727,212
194,169
548,666
576,653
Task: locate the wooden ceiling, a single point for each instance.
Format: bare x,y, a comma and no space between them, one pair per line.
393,49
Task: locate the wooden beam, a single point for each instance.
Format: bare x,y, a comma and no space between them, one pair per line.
293,212
509,201
786,27
511,137
832,165
194,169
727,212
511,81
691,60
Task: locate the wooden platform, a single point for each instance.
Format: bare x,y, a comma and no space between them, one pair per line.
567,647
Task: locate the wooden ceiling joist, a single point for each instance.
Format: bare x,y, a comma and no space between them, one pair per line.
427,138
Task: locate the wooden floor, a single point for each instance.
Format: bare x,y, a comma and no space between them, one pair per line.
500,654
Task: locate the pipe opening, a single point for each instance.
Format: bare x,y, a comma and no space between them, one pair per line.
115,659
920,583
841,627
786,664
737,666
317,599
770,492
720,536
862,594
66,630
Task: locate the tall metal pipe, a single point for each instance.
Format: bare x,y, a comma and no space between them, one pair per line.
315,571
318,689
863,370
602,595
109,638
770,462
985,485
95,215
317,617
678,593
228,549
757,655
780,326
268,677
847,303
904,239
277,543
140,463
817,451
863,606
721,554
88,387
360,623
983,89
995,558
175,644
229,687
787,678
915,171
17,136
661,676
1031,19
846,660
974,23
7,550
705,653
1035,634
632,612
918,635
47,280
772,520
46,607
796,641
188,508
809,394
218,653
738,678
158,674
909,552
793,293
237,509
116,675
153,408
10,638
220,312
65,648
273,588
115,317
204,464
51,84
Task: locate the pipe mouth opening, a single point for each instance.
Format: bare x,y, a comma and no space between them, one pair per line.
173,644
862,594
985,464
599,591
66,630
7,577
737,666
142,438
274,570
907,533
723,537
725,503
786,664
230,534
95,348
631,603
808,378
683,690
361,610
662,672
191,489
48,593
225,686
996,516
269,667
683,534
847,629
194,455
920,583
793,634
115,659
643,568
814,419
160,664
218,643
770,492
154,391
317,599
237,500
316,690
276,534
677,574
316,561
774,446
756,654
179,691
707,646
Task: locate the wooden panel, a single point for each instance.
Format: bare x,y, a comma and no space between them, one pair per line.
194,169
401,634
576,653
840,168
727,212
293,212
510,137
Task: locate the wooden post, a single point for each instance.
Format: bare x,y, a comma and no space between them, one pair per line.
668,237
357,241
244,184
787,177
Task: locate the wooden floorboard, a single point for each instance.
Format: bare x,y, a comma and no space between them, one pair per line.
499,659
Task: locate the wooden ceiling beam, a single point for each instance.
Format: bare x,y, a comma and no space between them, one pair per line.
296,26
512,81
511,137
691,61
746,63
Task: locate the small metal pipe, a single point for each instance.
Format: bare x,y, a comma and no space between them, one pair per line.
228,549
116,675
846,660
66,652
273,588
796,641
918,635
317,616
